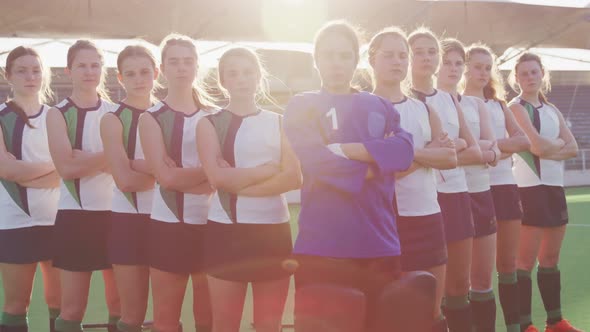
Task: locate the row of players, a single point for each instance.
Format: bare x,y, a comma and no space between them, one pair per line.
146,187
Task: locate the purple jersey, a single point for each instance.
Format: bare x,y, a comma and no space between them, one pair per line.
343,214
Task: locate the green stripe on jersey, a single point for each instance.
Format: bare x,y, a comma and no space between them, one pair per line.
9,123
221,122
126,117
71,118
527,156
166,120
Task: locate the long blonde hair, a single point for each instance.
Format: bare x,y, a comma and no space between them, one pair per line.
262,89
422,32
375,45
495,89
200,94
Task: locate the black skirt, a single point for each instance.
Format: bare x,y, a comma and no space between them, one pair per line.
247,252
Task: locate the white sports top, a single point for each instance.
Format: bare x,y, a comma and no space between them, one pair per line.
94,192
248,141
20,206
501,174
449,180
179,133
477,176
131,202
416,193
530,170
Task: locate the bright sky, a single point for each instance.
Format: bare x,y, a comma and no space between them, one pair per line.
53,52
556,59
555,3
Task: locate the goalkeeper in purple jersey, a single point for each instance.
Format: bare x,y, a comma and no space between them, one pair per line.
349,144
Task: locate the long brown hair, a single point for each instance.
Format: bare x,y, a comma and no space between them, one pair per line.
200,95
84,44
545,85
45,93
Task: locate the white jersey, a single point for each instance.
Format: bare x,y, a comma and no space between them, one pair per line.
501,174
22,207
449,180
477,176
530,170
179,133
93,193
131,202
248,142
416,194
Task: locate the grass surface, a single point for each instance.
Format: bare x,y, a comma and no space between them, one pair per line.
574,266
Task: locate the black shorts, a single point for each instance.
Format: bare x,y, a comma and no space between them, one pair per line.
457,218
128,239
543,206
80,240
370,275
247,252
507,202
422,240
26,245
484,214
176,247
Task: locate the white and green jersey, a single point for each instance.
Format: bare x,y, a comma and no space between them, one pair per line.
501,174
415,193
448,180
22,207
477,176
131,202
179,133
530,170
95,192
248,141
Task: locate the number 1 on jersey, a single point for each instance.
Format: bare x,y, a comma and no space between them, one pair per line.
332,114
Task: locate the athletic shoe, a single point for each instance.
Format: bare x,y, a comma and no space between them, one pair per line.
562,326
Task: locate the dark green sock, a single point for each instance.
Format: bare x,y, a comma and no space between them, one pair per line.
53,314
10,320
20,328
525,293
62,325
458,313
13,323
113,320
483,308
508,294
549,281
